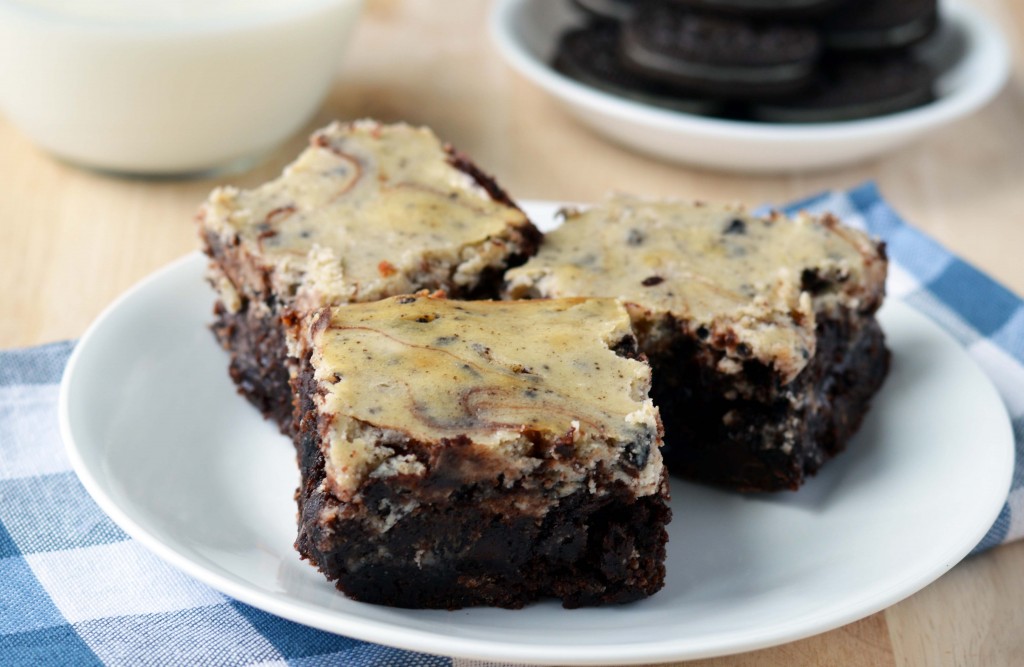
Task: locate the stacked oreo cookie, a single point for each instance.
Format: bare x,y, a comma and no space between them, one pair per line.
779,61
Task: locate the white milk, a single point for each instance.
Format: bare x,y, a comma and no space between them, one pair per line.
153,11
167,86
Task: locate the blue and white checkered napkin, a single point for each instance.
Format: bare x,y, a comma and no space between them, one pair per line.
74,589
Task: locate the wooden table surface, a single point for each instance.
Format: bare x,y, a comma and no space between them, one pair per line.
73,240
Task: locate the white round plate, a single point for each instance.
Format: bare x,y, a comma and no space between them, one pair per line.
969,52
186,466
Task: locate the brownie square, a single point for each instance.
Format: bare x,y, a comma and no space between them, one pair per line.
459,453
761,330
366,212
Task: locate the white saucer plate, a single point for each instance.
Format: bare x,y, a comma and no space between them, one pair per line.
164,444
969,52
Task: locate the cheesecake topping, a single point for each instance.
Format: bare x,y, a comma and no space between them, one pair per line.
502,374
751,285
366,211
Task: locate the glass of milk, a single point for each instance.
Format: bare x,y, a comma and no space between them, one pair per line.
167,87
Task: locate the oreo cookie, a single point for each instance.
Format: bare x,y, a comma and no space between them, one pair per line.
590,56
717,54
775,61
607,10
878,25
775,9
854,88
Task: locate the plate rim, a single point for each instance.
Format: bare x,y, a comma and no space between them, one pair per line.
989,42
415,639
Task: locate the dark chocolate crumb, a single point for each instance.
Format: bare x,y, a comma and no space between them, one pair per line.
627,347
812,281
736,226
650,281
638,451
702,332
744,350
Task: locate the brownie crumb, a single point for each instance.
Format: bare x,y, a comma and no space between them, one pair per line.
736,226
763,341
267,249
513,484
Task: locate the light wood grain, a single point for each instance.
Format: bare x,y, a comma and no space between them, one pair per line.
73,240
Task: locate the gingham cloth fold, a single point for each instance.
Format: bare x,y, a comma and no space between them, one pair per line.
74,589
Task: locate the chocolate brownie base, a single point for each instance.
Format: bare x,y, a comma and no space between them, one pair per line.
749,433
257,365
476,543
